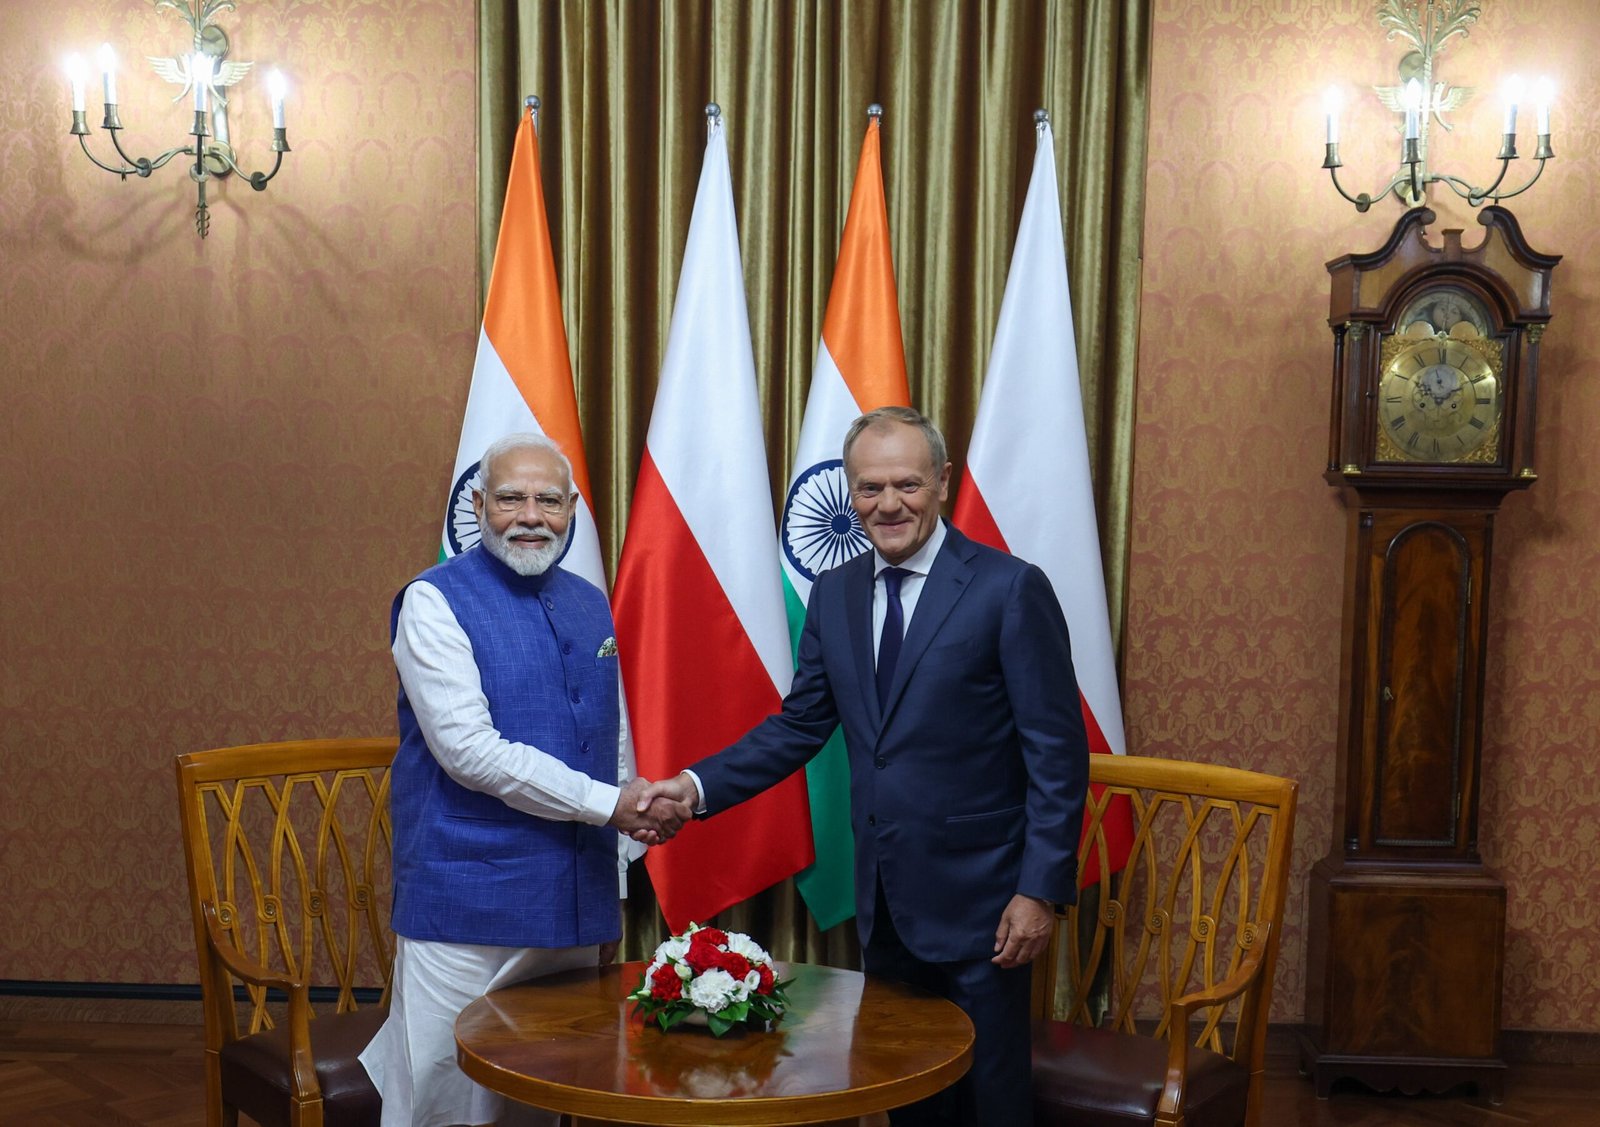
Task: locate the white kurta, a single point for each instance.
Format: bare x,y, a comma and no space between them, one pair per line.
412,1060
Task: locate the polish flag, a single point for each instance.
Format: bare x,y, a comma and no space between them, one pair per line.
522,380
861,365
1027,488
699,605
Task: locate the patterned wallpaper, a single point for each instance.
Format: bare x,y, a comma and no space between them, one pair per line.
1237,567
218,457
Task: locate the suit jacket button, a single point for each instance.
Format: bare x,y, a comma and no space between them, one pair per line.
872,819
880,763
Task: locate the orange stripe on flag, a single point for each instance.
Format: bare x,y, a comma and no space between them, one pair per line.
522,314
862,325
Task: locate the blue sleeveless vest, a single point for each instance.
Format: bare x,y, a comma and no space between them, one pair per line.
467,867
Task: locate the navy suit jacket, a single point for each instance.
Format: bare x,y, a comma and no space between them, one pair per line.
968,786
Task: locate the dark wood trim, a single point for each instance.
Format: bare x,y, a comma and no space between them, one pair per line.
158,991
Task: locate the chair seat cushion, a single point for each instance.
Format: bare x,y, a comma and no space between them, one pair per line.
1101,1078
256,1077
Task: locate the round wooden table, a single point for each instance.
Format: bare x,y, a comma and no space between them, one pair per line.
848,1046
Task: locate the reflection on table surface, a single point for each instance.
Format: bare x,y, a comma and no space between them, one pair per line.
848,1045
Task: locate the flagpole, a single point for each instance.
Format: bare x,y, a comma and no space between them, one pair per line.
531,103
1041,119
875,113
713,117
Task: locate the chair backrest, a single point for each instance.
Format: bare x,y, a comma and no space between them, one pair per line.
287,845
1200,896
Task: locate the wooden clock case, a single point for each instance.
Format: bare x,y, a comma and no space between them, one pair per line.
1406,940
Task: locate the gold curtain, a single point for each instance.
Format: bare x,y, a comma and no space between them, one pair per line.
624,84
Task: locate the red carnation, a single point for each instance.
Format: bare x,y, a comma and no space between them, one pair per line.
734,963
665,985
705,949
765,985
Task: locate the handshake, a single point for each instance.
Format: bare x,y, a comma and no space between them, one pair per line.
653,812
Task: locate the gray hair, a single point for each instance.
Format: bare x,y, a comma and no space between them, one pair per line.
527,440
881,418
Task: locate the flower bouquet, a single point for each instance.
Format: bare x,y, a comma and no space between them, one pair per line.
722,976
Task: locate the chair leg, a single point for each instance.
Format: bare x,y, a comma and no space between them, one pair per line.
307,1114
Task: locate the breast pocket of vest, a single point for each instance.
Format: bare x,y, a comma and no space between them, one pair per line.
979,831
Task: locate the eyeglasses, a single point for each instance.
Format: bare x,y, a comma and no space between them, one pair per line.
872,490
550,503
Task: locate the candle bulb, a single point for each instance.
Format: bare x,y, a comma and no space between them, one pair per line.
1514,93
108,73
275,88
1330,110
1545,94
200,71
75,73
1413,104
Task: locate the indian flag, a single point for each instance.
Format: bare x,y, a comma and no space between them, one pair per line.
1030,430
861,365
701,632
522,380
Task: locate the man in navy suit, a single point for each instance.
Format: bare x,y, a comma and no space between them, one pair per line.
949,667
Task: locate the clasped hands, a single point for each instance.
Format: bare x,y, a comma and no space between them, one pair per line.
652,813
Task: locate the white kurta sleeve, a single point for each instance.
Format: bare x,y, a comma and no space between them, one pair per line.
433,656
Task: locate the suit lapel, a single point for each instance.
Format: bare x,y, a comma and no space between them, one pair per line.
858,609
946,583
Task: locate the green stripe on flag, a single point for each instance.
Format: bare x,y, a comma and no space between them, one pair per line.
828,886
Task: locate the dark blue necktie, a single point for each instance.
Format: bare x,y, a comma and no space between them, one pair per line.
894,629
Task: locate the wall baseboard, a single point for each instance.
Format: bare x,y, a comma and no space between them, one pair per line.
156,991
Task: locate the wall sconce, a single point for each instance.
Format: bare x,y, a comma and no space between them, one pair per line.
208,74
1427,25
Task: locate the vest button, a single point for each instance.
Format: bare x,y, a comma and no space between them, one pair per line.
550,604
584,747
566,647
577,697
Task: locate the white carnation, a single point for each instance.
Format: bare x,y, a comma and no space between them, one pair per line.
673,950
741,944
714,990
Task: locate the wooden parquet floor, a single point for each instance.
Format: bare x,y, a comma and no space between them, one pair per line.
66,1073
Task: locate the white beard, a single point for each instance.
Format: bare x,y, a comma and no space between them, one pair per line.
521,557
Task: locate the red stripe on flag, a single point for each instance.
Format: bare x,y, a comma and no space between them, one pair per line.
695,684
972,516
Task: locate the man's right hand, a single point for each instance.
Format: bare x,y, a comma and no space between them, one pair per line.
644,816
679,789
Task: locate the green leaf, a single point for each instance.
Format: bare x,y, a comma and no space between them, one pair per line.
719,1024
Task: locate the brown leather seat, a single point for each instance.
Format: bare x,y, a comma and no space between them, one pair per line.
257,1076
1101,1078
288,849
1156,987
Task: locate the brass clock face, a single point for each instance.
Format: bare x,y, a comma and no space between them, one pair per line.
1439,400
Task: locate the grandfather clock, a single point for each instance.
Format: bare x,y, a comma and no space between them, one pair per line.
1435,374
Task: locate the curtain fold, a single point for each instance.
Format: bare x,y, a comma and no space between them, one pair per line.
623,86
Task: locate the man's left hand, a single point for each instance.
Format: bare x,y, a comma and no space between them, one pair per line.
1024,931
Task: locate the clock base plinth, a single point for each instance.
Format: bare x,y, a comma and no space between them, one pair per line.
1404,972
1410,1076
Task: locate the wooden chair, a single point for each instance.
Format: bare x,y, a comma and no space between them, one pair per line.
287,848
1162,977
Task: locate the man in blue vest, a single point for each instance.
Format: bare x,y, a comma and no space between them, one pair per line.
505,801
